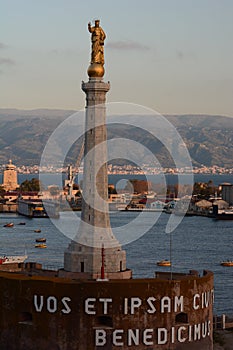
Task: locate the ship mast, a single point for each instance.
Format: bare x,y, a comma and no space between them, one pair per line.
103,262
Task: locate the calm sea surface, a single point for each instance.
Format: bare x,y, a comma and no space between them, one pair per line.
197,243
55,179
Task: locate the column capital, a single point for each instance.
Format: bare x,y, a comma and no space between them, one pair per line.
95,84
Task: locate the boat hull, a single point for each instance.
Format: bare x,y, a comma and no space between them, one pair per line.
227,263
38,208
17,259
164,263
224,216
41,245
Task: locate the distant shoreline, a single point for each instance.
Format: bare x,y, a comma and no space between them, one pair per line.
169,179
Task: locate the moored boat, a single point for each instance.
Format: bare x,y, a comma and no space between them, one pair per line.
9,224
40,245
41,240
164,263
222,214
37,208
227,263
37,231
12,259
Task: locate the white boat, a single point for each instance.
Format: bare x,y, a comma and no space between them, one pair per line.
12,259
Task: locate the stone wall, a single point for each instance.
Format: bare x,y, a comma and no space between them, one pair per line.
39,312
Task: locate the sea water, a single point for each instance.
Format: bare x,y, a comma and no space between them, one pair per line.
198,243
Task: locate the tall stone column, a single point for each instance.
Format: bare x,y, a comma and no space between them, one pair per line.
95,184
95,237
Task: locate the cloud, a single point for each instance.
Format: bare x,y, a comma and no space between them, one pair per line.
63,51
127,45
3,46
55,51
181,55
7,61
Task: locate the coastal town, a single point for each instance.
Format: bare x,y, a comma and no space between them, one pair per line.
123,169
29,198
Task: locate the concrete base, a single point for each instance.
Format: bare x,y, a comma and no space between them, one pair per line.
84,259
121,275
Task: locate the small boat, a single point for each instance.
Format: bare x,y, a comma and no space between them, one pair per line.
22,223
12,259
40,245
41,239
227,263
9,224
164,263
37,231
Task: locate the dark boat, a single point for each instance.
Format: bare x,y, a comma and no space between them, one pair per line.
41,239
226,214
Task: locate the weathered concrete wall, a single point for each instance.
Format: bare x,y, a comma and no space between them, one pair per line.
56,313
8,208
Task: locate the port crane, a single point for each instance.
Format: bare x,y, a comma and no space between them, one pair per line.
71,177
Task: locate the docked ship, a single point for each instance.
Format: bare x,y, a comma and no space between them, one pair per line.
16,259
222,214
94,302
38,208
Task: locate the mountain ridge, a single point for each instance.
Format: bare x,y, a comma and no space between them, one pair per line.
24,133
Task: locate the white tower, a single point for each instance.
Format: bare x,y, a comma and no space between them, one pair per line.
10,181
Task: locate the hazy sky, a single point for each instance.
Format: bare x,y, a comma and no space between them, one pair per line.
174,56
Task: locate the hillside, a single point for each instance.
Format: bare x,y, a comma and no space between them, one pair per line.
23,136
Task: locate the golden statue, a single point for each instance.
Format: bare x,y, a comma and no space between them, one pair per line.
97,39
98,36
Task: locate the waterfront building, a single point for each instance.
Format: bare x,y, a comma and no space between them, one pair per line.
227,192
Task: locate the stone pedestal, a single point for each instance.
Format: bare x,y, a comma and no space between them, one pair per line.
85,254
